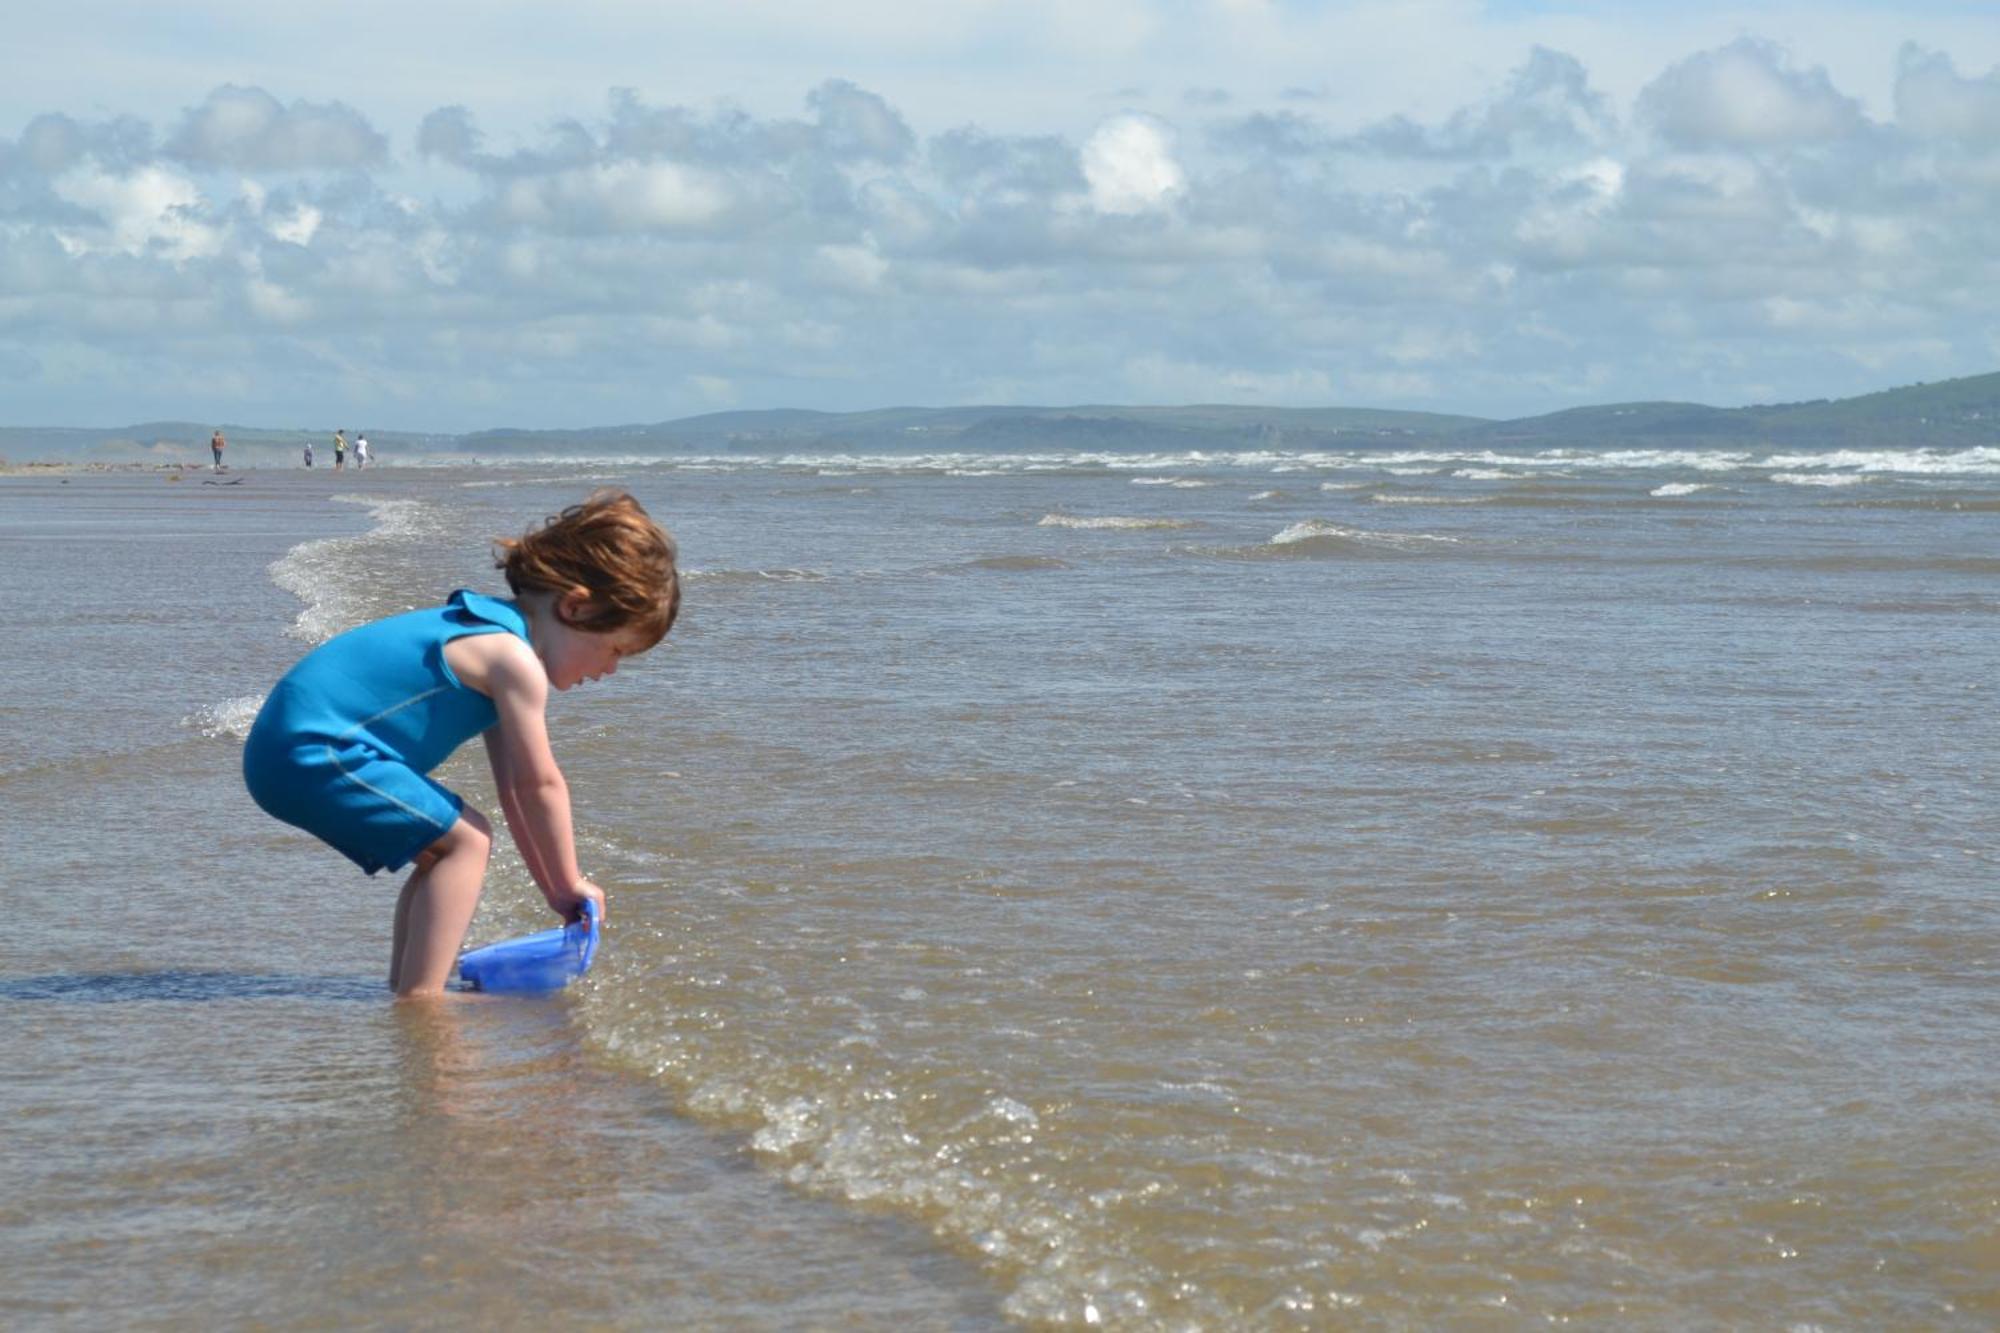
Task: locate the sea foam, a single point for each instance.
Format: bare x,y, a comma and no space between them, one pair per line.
314,571
1115,521
1983,460
1319,530
1817,478
230,717
1429,499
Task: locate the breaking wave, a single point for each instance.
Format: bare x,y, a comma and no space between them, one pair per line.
1118,522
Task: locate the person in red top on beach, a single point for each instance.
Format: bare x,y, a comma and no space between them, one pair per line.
215,447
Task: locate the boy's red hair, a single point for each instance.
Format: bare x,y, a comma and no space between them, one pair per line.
609,548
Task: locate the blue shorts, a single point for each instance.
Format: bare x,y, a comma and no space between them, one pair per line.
377,812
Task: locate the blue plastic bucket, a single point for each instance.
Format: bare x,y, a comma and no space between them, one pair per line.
533,964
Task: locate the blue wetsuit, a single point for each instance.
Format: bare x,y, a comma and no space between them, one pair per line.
343,744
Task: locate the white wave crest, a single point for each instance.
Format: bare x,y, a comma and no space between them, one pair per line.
1673,488
1978,460
536,480
1428,499
1311,529
1700,460
756,575
1318,529
1982,460
1817,478
1079,521
230,717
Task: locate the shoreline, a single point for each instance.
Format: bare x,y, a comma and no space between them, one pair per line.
9,468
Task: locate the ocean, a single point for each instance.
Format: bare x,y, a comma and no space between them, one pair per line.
1388,887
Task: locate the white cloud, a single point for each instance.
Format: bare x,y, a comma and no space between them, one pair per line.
449,133
149,208
296,227
617,196
857,124
50,144
1547,102
657,194
1129,164
250,130
855,267
1746,95
899,213
434,251
273,303
1604,177
1932,100
1678,217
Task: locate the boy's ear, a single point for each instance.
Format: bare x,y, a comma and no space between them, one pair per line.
573,605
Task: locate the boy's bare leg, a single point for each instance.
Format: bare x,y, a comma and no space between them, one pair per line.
419,869
436,906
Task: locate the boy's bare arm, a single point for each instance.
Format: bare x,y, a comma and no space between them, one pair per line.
532,789
510,803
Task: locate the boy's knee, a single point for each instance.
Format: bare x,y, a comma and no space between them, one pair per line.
475,829
471,833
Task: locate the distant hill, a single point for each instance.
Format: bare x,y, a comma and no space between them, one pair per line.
1958,413
1964,412
907,429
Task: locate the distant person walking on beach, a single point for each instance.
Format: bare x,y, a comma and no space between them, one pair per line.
215,447
361,451
339,450
309,453
343,745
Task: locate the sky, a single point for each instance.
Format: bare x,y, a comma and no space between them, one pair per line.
448,215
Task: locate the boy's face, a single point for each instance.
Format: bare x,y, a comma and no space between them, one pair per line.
571,656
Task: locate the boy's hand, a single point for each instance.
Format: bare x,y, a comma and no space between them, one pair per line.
570,906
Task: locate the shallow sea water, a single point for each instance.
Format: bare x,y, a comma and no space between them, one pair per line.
1390,889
